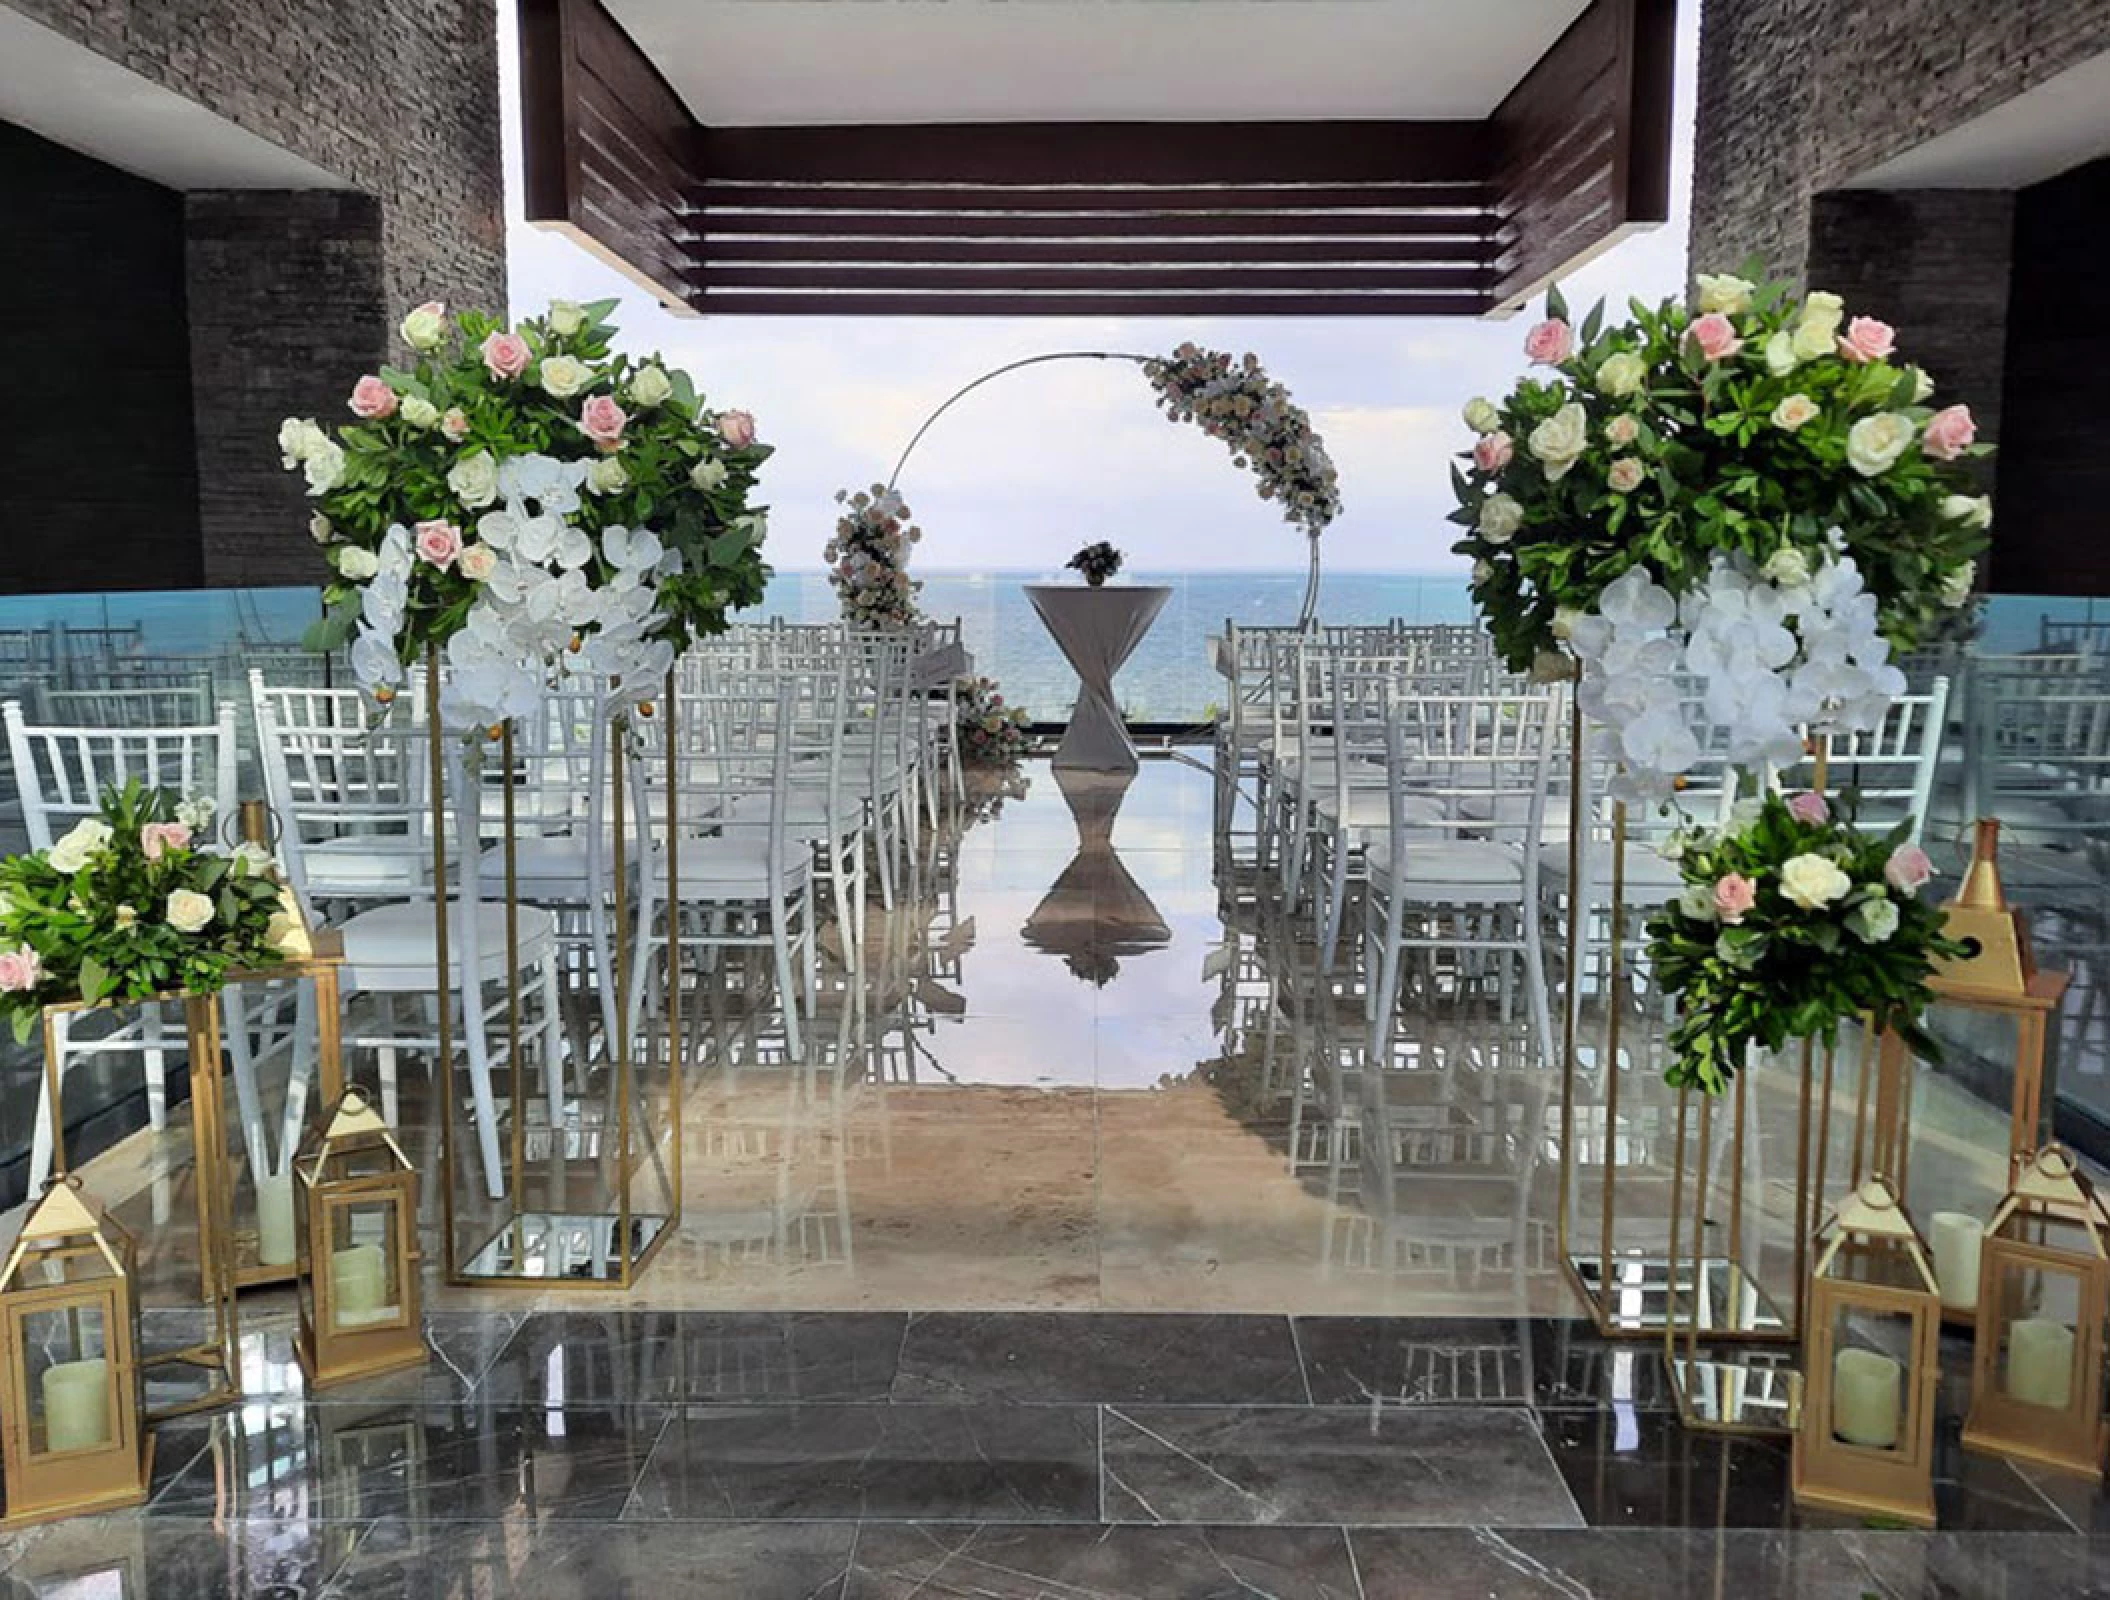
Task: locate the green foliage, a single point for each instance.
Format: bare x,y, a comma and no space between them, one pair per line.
1780,970
101,920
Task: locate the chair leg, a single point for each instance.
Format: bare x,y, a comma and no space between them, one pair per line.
1336,898
787,991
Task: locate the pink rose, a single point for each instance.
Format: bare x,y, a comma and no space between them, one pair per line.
1492,451
602,421
1625,475
20,970
1908,868
736,428
506,355
1550,343
1809,807
1734,894
1949,431
1866,340
1714,335
454,423
156,837
438,543
478,562
372,399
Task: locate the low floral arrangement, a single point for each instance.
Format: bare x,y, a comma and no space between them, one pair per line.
991,732
1234,400
1791,922
1756,492
1097,562
134,902
532,501
868,559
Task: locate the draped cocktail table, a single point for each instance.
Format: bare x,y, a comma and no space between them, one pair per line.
1097,630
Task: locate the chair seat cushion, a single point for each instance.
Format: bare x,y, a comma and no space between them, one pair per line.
394,946
1449,869
354,863
1372,808
732,866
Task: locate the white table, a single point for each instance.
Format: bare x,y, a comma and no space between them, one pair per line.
1097,630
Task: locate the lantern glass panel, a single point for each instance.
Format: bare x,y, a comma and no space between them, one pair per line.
2039,1355
1871,1360
69,1387
364,1261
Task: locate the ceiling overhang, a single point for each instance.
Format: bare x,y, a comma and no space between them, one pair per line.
1317,215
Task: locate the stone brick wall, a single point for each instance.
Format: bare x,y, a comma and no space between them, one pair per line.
1798,96
293,294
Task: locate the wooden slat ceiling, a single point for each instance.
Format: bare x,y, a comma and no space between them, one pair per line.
1311,218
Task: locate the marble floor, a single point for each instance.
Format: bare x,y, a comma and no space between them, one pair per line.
1088,1247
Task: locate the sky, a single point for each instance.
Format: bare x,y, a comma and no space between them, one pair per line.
1042,461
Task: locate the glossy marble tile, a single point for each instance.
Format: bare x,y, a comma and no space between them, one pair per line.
627,1357
927,1562
1158,1359
129,1557
885,1462
1557,1362
1437,1467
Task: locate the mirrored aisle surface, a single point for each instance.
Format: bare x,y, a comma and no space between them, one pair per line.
1079,1252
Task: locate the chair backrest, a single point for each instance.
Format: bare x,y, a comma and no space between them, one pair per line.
1892,768
1485,760
333,776
62,771
2039,760
2088,636
183,704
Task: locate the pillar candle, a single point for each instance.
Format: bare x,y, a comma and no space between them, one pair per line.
274,1218
359,1283
2040,1362
1958,1237
1865,1398
76,1404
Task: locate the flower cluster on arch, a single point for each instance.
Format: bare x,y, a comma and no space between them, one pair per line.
868,559
1235,401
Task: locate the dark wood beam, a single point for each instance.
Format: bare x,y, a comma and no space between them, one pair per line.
1135,197
1180,224
1204,280
1090,305
737,248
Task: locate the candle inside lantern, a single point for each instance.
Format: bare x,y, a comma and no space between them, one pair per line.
76,1404
1866,1405
274,1218
359,1286
2040,1362
1958,1239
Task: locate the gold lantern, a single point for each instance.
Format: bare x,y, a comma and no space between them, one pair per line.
75,1436
1864,1438
2043,1300
359,1255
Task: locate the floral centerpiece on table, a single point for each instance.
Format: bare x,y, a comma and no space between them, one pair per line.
1097,562
868,559
1791,922
135,902
1235,401
533,502
1757,493
991,732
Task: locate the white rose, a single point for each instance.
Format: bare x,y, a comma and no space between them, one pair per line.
1782,357
319,529
420,412
1822,310
357,563
474,480
707,475
1813,882
188,911
324,465
1696,902
1560,439
1873,921
566,317
70,854
1500,517
1788,567
1812,341
1482,571
425,327
650,387
563,376
1724,292
296,437
1622,430
476,562
1481,415
1874,443
1621,373
1793,411
1564,620
1922,385
1972,510
1625,475
605,475
1958,583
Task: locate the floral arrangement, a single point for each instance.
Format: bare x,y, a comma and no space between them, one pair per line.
1773,471
1235,401
991,732
134,903
532,501
1791,922
1097,562
868,559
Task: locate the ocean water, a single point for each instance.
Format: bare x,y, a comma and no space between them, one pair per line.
1167,680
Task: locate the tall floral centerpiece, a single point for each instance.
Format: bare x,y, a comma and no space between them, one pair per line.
533,502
